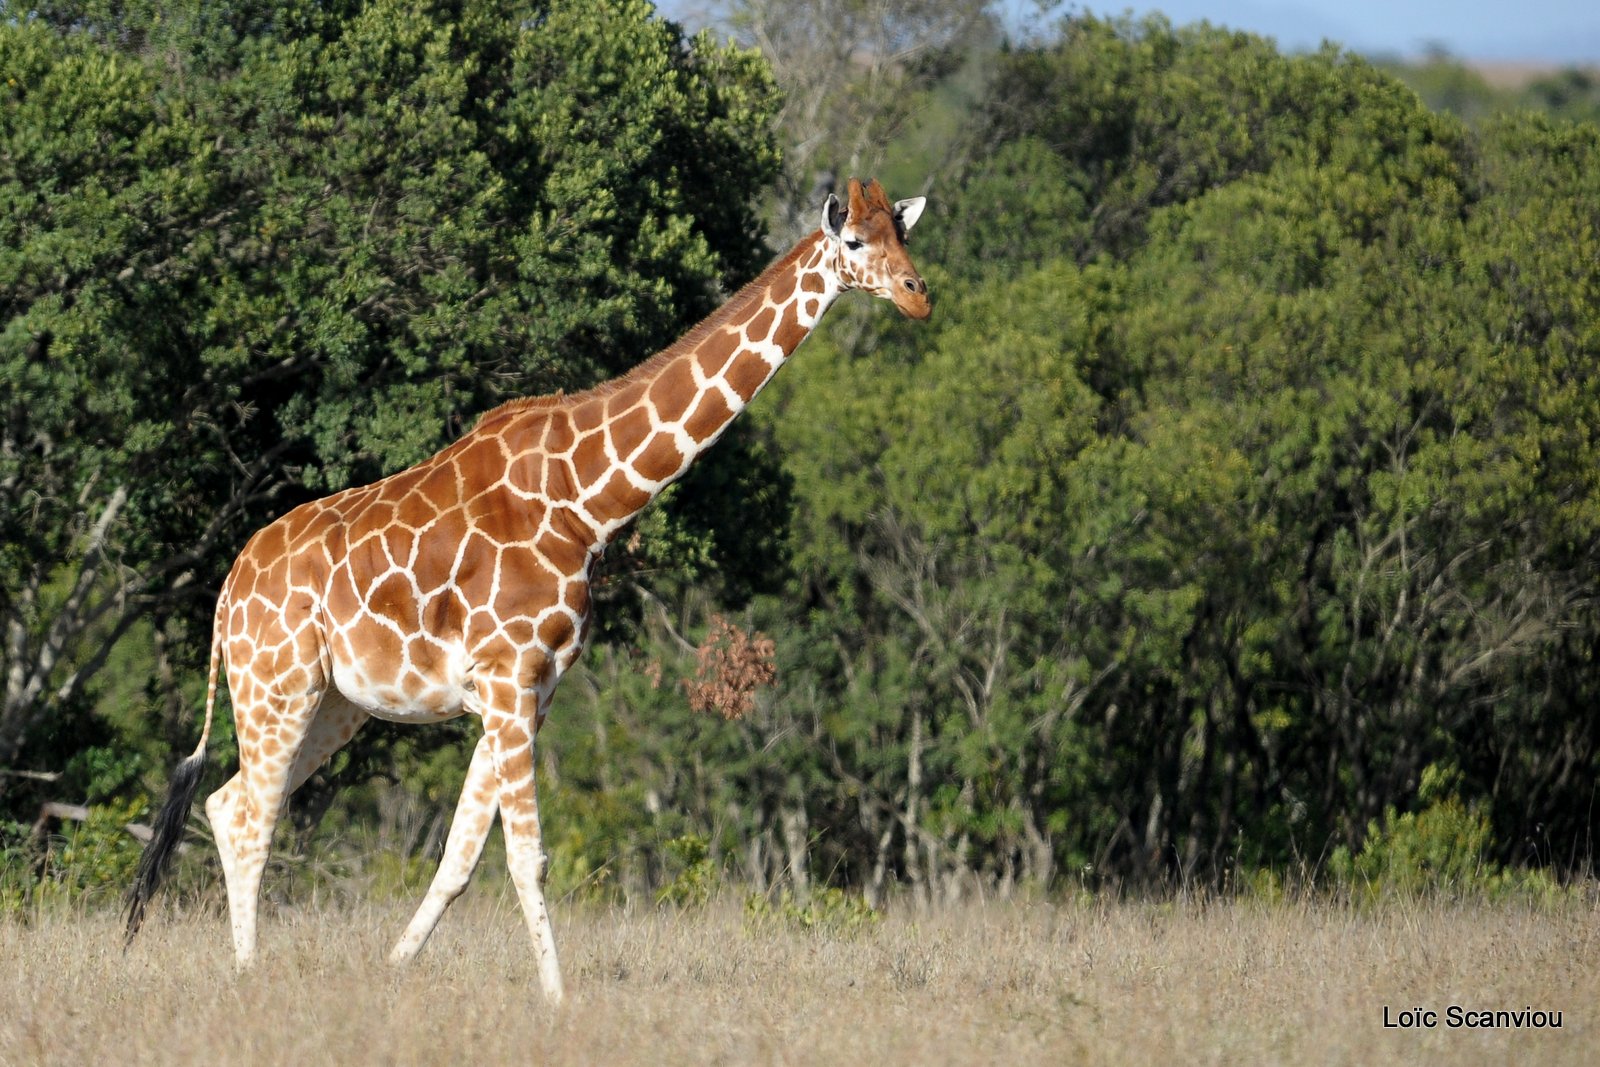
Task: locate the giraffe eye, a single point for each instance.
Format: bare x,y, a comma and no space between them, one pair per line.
852,244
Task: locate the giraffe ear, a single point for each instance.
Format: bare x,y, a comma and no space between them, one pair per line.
832,216
907,212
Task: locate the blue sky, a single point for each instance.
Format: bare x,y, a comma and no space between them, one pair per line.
1551,31
1543,31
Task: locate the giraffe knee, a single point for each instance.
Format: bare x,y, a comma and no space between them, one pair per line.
454,883
528,863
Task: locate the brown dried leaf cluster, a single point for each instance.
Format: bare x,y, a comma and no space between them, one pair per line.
652,671
731,666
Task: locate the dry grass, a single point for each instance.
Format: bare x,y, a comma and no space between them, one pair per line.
1218,983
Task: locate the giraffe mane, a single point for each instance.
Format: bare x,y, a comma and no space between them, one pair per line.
735,309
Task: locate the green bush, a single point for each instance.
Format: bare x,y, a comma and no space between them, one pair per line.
1441,850
829,910
91,861
696,877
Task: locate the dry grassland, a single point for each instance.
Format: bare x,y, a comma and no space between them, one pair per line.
1223,983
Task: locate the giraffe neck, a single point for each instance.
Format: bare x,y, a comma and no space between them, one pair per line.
633,437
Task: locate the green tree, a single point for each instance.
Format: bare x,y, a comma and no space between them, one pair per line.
104,188
256,255
1246,476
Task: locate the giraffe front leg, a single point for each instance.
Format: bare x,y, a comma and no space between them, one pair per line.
510,737
468,831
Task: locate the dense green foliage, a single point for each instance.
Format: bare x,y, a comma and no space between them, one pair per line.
1248,474
252,255
1233,520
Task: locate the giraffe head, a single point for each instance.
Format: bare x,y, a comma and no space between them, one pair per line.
867,246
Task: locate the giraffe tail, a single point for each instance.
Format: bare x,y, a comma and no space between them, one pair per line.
174,814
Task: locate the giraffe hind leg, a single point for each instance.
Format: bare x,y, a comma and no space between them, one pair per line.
245,811
337,721
469,829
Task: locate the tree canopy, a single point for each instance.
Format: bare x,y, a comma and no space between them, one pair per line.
253,255
1244,484
1234,517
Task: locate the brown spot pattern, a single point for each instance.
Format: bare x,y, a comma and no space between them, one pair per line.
628,431
661,460
761,325
790,333
673,391
747,374
710,415
714,354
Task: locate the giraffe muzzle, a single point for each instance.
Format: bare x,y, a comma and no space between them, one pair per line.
910,295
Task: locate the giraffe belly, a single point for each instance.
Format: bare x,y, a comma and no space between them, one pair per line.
399,692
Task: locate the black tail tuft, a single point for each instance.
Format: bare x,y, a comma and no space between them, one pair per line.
170,823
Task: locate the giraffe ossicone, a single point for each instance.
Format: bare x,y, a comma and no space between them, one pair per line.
461,585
